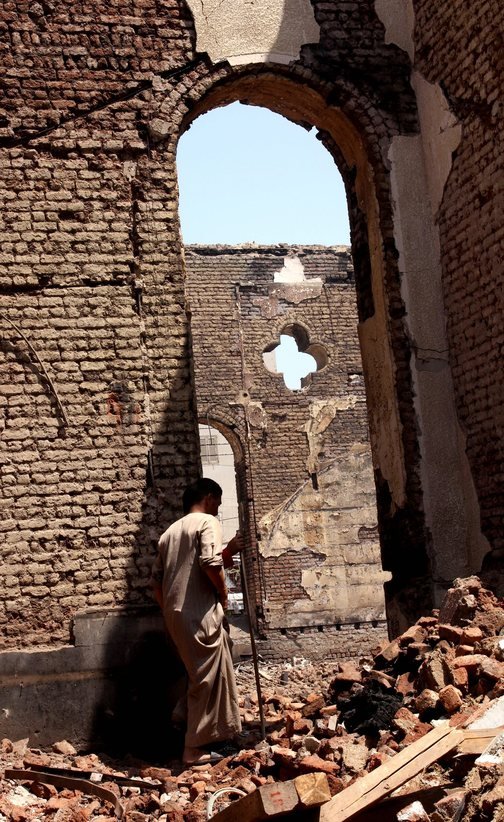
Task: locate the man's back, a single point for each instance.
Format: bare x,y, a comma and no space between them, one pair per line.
189,543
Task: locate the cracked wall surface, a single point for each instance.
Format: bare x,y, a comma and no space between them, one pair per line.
462,54
336,527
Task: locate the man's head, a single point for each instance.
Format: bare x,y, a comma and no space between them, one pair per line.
205,495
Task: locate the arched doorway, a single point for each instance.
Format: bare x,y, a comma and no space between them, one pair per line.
406,438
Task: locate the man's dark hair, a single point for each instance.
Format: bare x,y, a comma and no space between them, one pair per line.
195,492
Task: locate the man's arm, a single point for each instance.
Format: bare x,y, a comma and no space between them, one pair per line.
210,557
216,576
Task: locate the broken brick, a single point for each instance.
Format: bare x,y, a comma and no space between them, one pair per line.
197,789
354,755
413,813
388,654
298,725
427,700
410,725
64,747
405,684
491,668
435,671
313,763
471,634
450,698
461,679
471,662
414,634
453,633
450,807
314,702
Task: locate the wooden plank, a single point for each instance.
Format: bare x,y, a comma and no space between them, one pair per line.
475,741
277,799
94,776
381,782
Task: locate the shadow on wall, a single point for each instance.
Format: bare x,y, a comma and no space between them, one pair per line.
144,677
133,712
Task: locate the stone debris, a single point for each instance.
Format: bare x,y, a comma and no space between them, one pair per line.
332,718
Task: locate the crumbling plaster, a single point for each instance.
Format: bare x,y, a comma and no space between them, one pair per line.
290,285
440,131
450,503
241,31
337,521
398,17
441,134
321,415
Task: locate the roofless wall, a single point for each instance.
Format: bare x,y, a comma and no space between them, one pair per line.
100,427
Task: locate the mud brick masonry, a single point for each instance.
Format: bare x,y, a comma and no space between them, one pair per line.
99,407
303,461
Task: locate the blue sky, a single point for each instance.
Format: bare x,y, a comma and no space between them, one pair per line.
248,175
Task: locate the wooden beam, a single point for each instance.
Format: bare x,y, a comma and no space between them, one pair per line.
475,741
277,799
395,772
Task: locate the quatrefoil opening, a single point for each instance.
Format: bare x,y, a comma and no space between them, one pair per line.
294,357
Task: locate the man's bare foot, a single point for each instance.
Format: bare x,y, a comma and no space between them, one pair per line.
197,756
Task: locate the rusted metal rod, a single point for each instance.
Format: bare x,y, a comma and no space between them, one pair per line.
253,646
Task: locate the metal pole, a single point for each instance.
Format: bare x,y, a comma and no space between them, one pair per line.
253,647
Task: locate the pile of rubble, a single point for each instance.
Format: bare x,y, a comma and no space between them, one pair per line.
340,720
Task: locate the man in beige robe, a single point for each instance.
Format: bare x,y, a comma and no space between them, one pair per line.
190,586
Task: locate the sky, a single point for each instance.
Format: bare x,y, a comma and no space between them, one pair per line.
249,175
292,363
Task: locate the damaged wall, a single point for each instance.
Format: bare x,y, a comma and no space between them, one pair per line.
307,451
467,65
93,100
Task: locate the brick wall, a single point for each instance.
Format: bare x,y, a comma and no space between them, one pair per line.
92,100
71,492
339,642
307,451
459,45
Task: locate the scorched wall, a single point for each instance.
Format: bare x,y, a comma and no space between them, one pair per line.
308,497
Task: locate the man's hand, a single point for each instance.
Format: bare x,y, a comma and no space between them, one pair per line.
235,545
